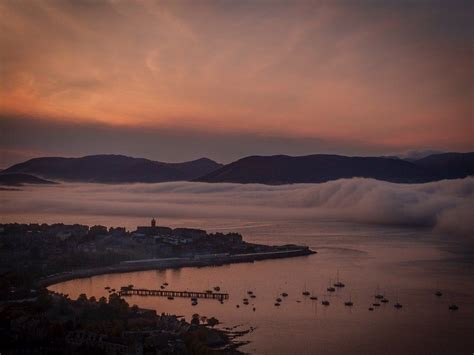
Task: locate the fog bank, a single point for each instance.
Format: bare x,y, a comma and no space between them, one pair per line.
444,205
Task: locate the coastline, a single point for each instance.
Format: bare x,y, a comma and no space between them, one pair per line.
173,263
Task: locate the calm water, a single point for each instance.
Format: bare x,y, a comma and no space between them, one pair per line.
407,265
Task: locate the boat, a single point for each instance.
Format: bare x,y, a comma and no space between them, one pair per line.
325,303
249,292
314,298
284,294
246,302
384,300
376,304
397,305
330,289
305,292
378,295
338,282
194,299
162,287
253,309
453,307
438,293
237,306
208,291
371,309
217,288
349,303
170,297
278,299
252,296
277,304
194,303
165,284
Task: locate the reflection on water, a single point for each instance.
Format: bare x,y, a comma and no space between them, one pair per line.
406,265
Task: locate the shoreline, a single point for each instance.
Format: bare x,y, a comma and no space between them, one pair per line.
174,263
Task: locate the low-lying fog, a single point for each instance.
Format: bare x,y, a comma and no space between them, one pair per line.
445,205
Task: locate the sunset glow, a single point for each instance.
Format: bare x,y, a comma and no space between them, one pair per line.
382,75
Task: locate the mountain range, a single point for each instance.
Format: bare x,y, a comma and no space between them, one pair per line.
276,169
113,169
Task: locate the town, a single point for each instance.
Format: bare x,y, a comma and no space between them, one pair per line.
36,320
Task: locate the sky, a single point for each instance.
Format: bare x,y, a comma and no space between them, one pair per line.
178,80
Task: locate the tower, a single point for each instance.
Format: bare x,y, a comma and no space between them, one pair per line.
153,223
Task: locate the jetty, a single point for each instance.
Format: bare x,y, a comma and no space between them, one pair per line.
169,293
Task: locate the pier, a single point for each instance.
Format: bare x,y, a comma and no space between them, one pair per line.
168,293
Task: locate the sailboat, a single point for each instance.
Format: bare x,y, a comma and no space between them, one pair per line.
330,288
305,292
338,282
349,303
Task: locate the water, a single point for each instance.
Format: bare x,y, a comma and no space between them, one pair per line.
405,264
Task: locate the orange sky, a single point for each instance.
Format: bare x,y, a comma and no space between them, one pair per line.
389,75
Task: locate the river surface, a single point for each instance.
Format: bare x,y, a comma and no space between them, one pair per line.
407,265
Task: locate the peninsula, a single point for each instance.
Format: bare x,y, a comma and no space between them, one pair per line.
33,256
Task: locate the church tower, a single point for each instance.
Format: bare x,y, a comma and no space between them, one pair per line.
153,223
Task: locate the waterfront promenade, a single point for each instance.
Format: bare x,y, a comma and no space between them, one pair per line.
173,263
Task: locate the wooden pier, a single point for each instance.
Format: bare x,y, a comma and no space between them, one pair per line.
168,293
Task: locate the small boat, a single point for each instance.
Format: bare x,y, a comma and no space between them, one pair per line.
349,303
277,304
376,304
217,288
246,302
331,289
165,284
377,294
194,303
384,300
253,309
305,292
278,299
438,293
325,303
194,299
339,283
298,301
107,287
284,294
371,309
397,305
170,297
453,307
162,287
252,296
208,291
314,298
237,306
249,292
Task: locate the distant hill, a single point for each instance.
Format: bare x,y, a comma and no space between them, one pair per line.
22,179
113,169
449,165
282,169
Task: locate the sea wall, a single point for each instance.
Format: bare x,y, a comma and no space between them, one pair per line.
160,264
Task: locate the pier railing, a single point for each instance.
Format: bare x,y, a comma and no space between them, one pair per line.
168,293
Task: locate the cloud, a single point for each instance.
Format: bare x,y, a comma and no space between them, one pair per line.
443,206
